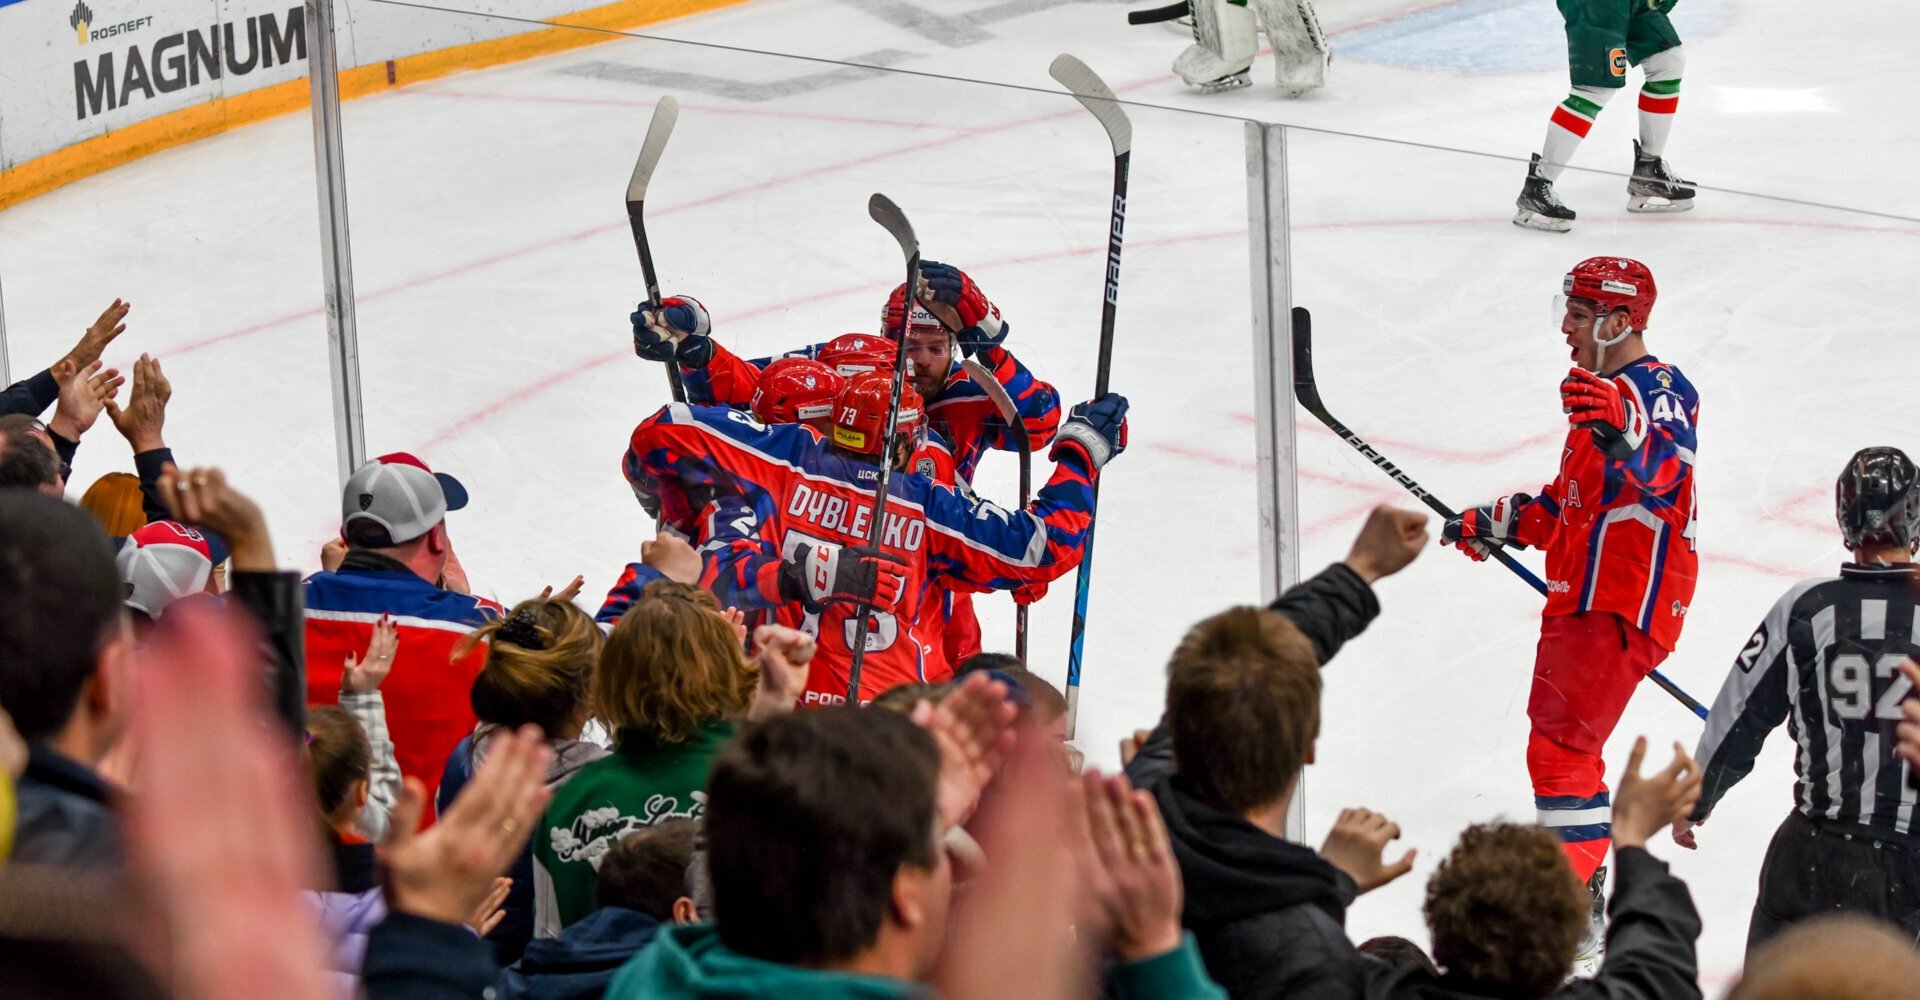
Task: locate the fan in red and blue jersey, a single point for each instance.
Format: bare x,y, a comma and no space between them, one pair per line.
1617,524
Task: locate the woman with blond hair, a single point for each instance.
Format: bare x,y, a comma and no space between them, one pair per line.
673,680
539,671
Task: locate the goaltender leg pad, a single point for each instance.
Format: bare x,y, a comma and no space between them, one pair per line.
1300,53
1224,42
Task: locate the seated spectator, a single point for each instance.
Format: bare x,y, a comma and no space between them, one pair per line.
641,879
162,562
1507,911
340,761
28,459
824,836
1242,713
116,500
392,514
65,678
1399,953
1841,957
672,682
539,671
903,697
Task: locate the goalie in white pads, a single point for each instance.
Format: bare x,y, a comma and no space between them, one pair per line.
1225,39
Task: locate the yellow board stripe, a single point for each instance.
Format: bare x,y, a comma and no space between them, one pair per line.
91,156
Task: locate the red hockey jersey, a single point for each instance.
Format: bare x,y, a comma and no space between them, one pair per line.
1619,535
793,488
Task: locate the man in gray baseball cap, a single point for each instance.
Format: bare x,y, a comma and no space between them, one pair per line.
392,515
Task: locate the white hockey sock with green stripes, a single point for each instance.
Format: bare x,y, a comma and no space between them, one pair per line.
1572,120
1660,98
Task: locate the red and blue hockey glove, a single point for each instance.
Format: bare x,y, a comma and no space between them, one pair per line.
679,330
1477,529
1096,430
980,322
819,575
1597,404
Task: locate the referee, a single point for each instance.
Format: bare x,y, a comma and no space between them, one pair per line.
1826,660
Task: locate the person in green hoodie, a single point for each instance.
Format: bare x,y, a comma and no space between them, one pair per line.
824,833
672,682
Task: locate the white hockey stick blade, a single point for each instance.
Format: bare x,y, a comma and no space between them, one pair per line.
894,221
665,114
1098,98
996,392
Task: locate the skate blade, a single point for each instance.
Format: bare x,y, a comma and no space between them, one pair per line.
1533,220
1643,204
1226,83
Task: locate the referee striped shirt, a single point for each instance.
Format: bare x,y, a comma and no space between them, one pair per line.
1827,662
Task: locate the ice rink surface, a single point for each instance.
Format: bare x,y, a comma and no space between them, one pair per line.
495,272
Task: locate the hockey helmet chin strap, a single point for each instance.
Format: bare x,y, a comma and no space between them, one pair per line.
1560,303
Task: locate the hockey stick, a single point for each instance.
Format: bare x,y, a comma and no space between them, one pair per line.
894,221
1308,392
1171,12
1011,417
1098,98
665,114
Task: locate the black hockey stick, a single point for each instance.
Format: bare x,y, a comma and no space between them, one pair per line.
665,114
1308,392
1171,12
1010,416
1098,98
894,221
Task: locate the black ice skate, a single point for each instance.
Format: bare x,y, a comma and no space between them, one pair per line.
1654,188
1593,946
1539,207
1232,81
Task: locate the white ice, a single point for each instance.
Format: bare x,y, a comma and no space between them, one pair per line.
495,272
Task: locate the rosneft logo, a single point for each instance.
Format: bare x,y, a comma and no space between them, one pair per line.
81,20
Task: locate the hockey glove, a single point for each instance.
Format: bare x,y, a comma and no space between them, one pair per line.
680,329
819,575
1096,429
980,323
1476,530
1618,426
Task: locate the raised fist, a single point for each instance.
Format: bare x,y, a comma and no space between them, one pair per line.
1096,429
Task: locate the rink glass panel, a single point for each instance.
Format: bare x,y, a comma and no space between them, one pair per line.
216,245
493,204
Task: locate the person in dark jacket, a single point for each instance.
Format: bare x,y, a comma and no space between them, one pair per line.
1243,708
640,880
66,658
1507,911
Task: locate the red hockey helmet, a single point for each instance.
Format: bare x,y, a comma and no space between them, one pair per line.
860,414
853,353
1613,283
795,390
918,321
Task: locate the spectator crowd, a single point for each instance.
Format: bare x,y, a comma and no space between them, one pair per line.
219,780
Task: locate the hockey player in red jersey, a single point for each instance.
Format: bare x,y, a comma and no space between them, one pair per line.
1617,524
951,318
799,536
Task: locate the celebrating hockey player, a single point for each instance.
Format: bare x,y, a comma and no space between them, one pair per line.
1617,525
1225,40
1604,37
951,318
799,535
1828,656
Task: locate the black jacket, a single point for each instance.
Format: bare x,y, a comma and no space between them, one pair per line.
66,815
1650,946
415,958
1269,914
